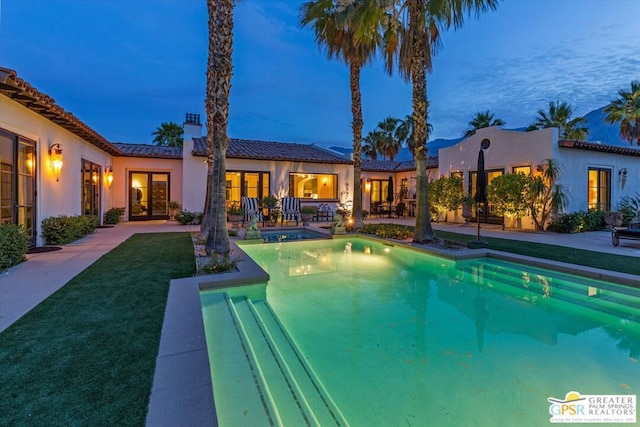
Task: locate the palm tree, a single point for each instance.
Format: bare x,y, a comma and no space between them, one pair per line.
559,116
345,34
626,111
219,71
404,133
389,143
371,145
168,134
412,45
483,120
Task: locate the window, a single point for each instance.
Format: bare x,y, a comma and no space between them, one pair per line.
526,170
91,178
379,191
313,186
491,174
599,191
247,184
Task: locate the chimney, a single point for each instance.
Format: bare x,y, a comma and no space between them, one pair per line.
192,127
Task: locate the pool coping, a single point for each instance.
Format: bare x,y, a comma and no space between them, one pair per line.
182,392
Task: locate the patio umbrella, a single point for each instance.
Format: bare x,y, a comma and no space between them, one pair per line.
481,184
390,190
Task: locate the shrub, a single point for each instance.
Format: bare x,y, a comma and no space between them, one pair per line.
312,210
630,208
217,263
388,231
578,222
14,243
112,216
63,229
186,217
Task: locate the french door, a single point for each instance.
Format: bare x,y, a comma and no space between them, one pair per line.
148,196
18,182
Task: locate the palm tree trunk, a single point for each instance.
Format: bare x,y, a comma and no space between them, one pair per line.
356,111
423,232
217,108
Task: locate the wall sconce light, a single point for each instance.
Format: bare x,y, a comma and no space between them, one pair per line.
109,175
55,151
324,182
367,185
623,177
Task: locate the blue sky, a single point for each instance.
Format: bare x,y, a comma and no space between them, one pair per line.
125,66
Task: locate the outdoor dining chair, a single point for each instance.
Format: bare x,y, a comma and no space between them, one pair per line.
250,207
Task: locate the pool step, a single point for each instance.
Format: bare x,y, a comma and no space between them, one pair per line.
297,395
620,303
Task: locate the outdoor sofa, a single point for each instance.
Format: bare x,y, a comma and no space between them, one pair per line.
631,232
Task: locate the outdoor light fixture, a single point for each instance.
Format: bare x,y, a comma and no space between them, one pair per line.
367,185
109,175
55,151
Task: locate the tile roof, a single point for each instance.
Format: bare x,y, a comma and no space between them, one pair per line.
267,150
594,146
23,93
394,166
149,151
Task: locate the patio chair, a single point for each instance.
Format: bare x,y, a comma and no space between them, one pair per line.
290,209
632,232
250,208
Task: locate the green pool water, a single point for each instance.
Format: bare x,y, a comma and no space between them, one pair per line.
377,335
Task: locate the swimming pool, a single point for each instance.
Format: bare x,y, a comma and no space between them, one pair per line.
353,332
287,235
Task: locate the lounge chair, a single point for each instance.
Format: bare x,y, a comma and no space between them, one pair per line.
632,232
290,209
250,208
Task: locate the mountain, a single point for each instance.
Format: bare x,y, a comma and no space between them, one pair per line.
601,131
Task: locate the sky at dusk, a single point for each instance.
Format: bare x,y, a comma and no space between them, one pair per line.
125,66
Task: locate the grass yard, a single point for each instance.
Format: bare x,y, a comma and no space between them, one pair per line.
86,355
612,262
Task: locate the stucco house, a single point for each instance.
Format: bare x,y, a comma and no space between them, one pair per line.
596,175
51,163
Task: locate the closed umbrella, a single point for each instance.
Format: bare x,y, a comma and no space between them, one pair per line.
390,190
481,184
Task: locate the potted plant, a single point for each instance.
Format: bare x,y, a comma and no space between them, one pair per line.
234,215
174,207
467,204
270,203
307,213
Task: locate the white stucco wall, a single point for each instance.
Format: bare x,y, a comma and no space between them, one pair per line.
62,197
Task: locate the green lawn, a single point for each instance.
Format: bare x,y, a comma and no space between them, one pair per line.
86,355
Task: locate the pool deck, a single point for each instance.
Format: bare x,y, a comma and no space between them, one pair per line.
182,392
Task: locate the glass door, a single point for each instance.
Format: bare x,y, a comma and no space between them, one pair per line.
17,182
148,195
25,206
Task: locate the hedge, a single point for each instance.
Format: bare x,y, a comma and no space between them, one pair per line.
14,243
60,230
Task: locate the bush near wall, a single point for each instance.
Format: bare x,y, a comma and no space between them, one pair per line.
578,222
186,217
60,230
112,216
14,243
